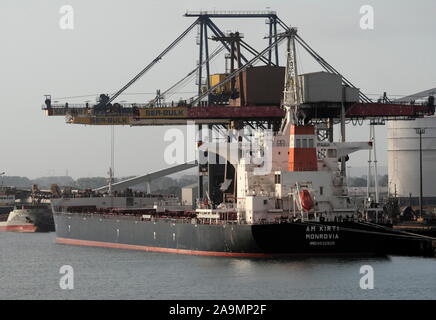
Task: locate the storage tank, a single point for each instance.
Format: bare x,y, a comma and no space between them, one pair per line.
403,160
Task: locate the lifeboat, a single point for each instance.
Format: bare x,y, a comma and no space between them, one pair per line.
306,200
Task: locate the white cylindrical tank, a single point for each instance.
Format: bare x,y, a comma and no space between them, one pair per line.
403,157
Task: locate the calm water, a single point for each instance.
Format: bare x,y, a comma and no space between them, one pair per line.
30,263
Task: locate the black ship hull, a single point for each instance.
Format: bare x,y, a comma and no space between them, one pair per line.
260,240
428,230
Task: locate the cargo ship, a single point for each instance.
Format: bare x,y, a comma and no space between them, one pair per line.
279,191
294,202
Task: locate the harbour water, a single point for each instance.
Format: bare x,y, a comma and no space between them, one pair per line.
30,265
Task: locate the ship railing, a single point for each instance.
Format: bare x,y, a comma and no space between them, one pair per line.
189,220
135,194
139,217
82,106
123,216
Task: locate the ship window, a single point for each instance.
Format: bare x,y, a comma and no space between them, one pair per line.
298,143
280,143
310,143
331,153
277,179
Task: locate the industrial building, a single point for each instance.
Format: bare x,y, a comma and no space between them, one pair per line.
404,156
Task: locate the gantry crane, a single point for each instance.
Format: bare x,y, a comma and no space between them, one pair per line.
222,102
204,109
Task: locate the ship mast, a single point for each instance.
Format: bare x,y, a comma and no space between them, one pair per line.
111,168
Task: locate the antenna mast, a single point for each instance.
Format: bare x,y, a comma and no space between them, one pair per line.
291,94
111,168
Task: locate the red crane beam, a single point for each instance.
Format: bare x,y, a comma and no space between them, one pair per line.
358,110
222,114
234,113
382,110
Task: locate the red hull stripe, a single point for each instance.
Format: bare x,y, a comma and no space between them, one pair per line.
159,249
18,228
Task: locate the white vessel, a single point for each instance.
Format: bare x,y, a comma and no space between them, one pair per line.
28,217
7,201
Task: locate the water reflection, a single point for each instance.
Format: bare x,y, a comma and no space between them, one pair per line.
120,274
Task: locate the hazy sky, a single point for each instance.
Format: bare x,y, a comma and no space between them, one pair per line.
113,40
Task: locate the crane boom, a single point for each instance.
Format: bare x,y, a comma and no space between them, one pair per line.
151,64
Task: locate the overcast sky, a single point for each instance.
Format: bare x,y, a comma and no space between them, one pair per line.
113,40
